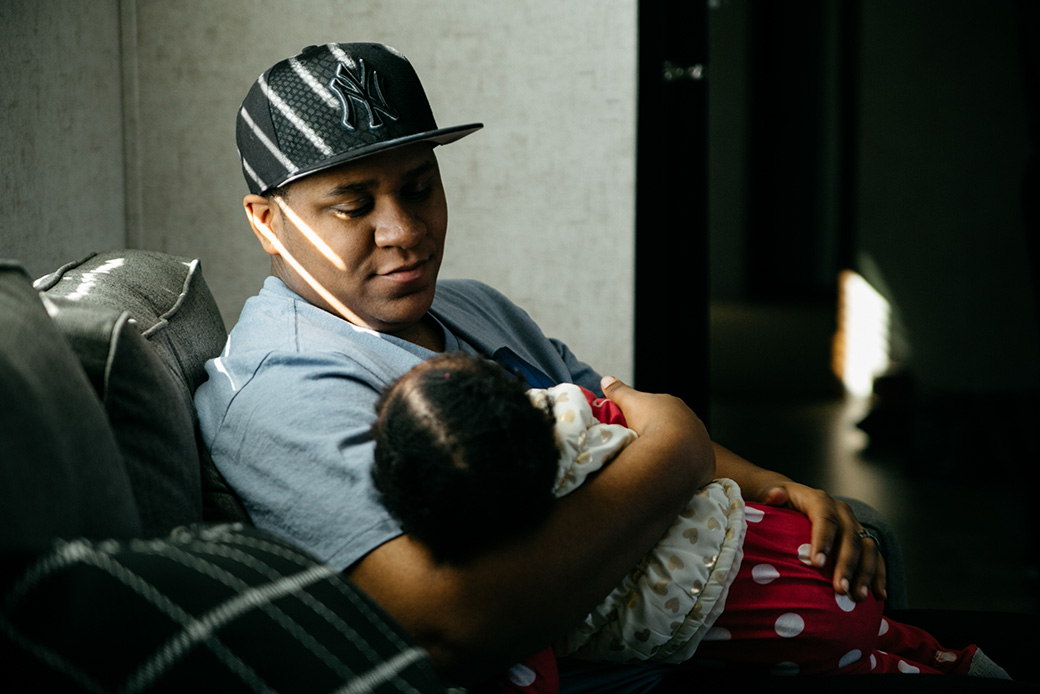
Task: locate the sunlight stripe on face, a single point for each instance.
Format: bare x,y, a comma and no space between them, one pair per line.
311,236
307,277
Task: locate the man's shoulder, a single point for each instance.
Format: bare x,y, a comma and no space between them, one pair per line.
473,298
278,320
280,333
464,290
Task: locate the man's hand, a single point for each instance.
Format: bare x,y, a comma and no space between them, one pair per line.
658,415
836,533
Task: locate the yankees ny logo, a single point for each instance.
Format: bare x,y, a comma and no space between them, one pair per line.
359,89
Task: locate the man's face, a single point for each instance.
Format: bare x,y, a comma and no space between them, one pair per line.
370,234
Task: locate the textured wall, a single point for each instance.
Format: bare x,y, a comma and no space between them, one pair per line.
541,201
61,137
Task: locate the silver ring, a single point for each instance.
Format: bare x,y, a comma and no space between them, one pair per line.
863,532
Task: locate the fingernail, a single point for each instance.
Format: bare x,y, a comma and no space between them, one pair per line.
845,585
607,381
863,591
820,560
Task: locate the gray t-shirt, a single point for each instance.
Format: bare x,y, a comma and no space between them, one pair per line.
287,408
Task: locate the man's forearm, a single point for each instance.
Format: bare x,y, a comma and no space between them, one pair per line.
754,481
483,616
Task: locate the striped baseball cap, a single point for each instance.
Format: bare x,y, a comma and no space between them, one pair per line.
329,105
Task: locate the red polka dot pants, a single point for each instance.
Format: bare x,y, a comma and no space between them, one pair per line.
782,613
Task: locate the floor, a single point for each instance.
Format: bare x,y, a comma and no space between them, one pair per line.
962,515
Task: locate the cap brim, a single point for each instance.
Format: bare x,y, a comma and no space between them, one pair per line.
441,136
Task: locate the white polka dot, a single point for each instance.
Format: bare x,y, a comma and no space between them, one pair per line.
785,669
804,554
522,676
908,668
845,602
753,515
850,657
883,629
945,657
873,661
789,625
764,573
718,634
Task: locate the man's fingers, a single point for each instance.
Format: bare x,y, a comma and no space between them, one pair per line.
866,568
822,512
824,530
645,410
871,575
880,584
846,565
856,566
838,537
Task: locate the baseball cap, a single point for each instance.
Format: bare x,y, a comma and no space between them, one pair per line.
329,105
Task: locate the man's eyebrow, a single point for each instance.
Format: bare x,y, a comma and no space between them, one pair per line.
366,185
347,188
422,168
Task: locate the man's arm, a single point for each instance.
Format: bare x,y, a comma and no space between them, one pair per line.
479,618
858,565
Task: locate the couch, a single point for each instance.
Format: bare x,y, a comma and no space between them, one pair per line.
127,561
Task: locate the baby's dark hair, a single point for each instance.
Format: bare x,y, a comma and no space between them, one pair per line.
463,459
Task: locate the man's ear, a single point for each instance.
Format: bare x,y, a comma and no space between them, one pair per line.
261,213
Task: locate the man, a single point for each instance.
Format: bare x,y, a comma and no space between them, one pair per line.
337,147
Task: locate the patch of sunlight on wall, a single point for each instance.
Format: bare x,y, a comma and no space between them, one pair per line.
861,345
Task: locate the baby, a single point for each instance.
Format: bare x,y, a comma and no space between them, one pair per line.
467,458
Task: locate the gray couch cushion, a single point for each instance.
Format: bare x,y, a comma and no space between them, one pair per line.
147,410
61,473
168,299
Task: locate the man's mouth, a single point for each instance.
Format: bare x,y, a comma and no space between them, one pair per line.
406,273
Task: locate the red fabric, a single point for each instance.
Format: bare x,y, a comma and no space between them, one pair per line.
605,411
783,613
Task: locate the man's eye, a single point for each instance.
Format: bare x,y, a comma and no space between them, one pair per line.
353,210
418,191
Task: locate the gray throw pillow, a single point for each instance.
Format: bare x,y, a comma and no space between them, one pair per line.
147,410
165,295
168,299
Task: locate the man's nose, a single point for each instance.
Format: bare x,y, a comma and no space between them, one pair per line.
395,226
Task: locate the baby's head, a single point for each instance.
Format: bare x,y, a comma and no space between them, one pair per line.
463,459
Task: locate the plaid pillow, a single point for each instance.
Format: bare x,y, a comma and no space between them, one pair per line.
226,608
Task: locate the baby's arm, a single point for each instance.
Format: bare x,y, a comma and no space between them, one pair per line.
586,444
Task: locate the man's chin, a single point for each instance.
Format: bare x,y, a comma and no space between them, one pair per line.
406,312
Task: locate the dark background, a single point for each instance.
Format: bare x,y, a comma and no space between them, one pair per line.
896,139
